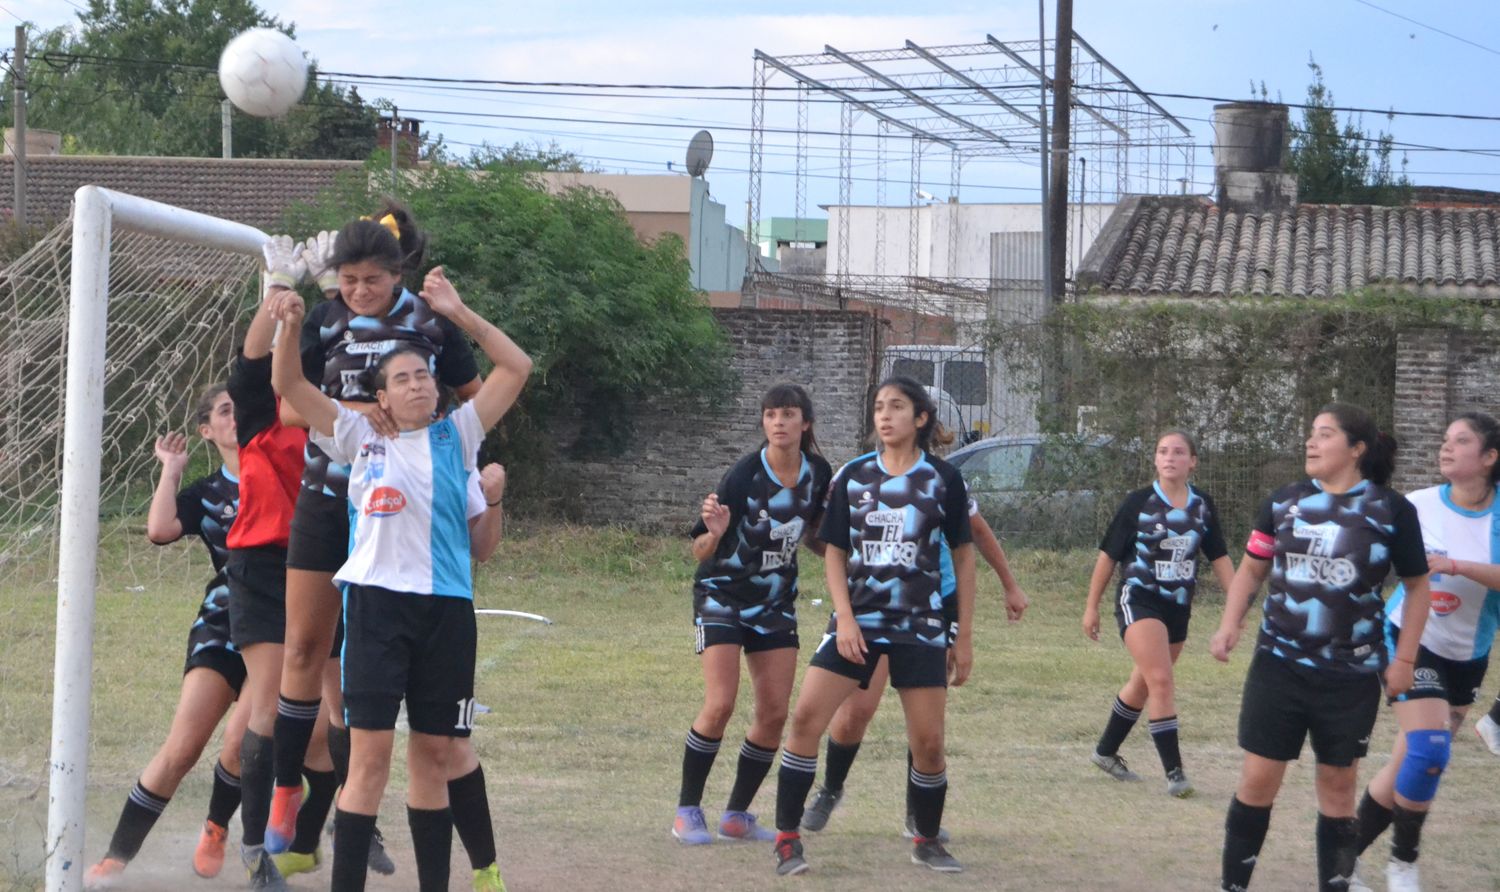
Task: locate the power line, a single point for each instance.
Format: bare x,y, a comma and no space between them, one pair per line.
1391,12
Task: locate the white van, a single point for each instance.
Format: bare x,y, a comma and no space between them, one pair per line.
960,375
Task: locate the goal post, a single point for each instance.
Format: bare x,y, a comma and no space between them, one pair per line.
97,212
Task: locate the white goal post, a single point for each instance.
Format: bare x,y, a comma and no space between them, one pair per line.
96,213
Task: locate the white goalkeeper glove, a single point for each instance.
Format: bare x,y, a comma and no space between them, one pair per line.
285,267
317,253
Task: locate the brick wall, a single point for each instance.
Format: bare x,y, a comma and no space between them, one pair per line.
1439,373
677,457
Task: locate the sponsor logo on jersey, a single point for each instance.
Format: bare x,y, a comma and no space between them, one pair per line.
1180,568
788,535
1426,678
385,501
1444,603
890,550
376,348
1318,566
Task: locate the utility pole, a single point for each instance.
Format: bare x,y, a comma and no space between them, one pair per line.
1043,149
1057,197
395,153
226,128
18,149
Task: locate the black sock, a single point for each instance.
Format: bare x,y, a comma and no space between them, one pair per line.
909,806
1164,735
1244,832
321,785
1406,833
256,779
338,751
840,760
1337,840
1495,710
432,843
793,782
755,761
470,802
225,799
142,808
295,720
351,850
1121,719
927,793
697,761
1373,819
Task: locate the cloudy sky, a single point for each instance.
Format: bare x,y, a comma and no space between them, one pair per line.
1372,57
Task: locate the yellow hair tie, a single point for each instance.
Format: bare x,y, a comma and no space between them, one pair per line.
389,222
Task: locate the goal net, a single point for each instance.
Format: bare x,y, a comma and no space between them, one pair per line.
81,405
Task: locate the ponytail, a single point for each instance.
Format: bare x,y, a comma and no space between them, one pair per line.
1378,462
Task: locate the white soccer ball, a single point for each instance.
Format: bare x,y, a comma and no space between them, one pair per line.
263,72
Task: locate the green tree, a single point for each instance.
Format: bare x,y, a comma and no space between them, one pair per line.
139,77
611,323
1336,165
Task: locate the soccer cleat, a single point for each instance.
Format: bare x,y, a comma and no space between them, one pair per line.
281,827
690,827
909,831
1401,876
262,870
379,861
1115,767
208,857
742,825
488,879
1488,731
105,874
789,860
1355,883
815,816
1178,786
930,852
292,863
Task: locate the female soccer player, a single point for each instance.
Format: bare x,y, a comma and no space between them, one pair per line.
368,314
847,731
887,512
744,598
1327,544
409,618
270,468
214,672
1458,523
1154,539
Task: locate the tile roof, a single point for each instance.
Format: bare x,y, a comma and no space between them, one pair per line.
1188,246
249,190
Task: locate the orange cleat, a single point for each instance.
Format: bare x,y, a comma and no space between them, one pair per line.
281,829
208,857
104,875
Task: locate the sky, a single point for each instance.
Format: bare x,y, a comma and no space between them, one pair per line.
1372,57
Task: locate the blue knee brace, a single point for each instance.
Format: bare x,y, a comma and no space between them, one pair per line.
1426,757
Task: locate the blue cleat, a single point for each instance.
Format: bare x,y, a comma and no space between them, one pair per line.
690,827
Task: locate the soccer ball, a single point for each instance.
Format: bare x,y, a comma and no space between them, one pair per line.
263,72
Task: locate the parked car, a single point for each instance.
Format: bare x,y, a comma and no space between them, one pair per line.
1041,489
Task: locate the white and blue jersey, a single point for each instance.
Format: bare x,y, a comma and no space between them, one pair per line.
1156,543
1462,621
412,495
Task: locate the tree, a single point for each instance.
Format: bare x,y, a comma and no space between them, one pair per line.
1337,165
139,77
611,323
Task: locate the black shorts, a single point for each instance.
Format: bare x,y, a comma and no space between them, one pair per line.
706,635
320,533
1437,677
1285,703
912,665
257,596
1134,605
419,648
218,659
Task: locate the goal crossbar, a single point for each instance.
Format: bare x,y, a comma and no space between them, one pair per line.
96,213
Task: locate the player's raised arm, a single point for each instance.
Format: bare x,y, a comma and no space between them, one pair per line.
286,367
512,365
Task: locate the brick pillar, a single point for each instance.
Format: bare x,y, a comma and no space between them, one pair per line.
1423,404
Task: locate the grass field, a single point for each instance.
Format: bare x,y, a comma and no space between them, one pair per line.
583,747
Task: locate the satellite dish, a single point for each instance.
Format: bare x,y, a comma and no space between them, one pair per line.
700,152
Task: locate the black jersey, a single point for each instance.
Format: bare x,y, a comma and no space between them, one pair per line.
1155,544
339,346
751,578
1331,554
892,527
207,508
